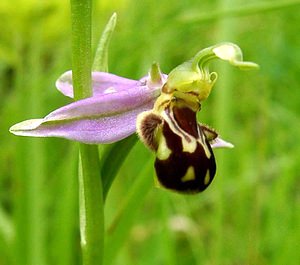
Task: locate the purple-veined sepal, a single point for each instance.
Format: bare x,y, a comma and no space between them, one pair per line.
108,116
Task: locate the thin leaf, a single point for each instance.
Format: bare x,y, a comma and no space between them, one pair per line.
100,60
112,159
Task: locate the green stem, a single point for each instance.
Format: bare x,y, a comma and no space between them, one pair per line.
90,185
81,47
91,206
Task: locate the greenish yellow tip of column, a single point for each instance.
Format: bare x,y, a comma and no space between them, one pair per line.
194,76
155,74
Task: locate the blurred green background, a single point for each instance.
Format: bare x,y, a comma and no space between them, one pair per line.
249,215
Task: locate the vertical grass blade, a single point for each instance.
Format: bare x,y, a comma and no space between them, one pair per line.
120,227
65,219
223,121
30,221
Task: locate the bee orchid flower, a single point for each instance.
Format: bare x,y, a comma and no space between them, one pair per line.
111,113
185,161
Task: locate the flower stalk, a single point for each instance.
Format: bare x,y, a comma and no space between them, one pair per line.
90,186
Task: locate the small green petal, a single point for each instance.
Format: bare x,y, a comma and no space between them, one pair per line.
155,77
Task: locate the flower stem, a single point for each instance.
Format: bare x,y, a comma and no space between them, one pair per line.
90,185
91,206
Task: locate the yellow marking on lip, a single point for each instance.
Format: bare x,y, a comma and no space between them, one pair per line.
207,177
163,151
206,150
189,175
189,147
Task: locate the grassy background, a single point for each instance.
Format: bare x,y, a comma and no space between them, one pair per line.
249,215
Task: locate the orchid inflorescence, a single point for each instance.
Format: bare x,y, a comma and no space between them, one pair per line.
162,109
